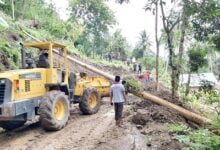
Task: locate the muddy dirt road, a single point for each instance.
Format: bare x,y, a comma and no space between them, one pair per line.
96,131
82,132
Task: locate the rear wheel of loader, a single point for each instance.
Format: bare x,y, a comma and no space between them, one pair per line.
54,111
90,102
10,125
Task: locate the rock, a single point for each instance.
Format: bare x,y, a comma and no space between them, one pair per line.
141,117
139,127
143,132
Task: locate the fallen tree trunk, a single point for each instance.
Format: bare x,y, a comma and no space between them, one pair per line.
147,96
182,111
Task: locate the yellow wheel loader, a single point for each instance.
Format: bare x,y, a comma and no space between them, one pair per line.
45,90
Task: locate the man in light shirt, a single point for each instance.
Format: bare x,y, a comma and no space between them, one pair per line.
117,97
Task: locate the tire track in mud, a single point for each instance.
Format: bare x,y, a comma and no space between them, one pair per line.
88,133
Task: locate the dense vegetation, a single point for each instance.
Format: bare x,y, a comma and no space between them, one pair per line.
86,32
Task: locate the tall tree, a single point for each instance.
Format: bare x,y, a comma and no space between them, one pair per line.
184,25
118,44
144,42
155,12
97,18
169,22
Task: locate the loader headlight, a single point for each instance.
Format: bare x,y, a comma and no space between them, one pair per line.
2,81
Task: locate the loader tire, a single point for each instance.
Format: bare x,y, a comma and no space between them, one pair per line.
10,125
90,102
54,111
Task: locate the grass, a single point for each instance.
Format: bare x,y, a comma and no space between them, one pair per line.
178,128
199,139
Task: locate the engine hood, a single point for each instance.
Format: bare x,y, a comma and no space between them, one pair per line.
14,74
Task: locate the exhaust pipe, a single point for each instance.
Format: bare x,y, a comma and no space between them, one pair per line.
23,56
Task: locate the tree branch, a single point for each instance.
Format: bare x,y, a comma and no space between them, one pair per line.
174,24
163,16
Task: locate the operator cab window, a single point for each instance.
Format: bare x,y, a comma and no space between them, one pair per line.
43,61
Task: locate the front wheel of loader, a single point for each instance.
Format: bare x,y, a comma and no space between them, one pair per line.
90,102
54,111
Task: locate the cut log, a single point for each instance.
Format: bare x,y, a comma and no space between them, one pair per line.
147,96
182,111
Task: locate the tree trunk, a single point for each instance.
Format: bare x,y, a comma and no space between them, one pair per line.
181,45
24,9
167,64
171,63
13,9
157,47
168,30
188,84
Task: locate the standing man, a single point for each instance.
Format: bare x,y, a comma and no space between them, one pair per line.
139,69
117,97
135,68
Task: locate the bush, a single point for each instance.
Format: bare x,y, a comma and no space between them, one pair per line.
178,128
216,124
133,84
202,139
207,86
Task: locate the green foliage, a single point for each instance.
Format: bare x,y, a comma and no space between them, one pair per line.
195,139
118,44
189,98
151,62
212,96
196,55
42,21
137,53
178,128
11,52
206,20
216,124
97,18
115,63
202,139
133,84
143,46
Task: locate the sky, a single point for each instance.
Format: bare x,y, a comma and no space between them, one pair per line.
133,19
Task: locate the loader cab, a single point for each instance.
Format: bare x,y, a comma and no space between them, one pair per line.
57,69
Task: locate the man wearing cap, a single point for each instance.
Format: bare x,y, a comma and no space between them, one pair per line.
117,97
